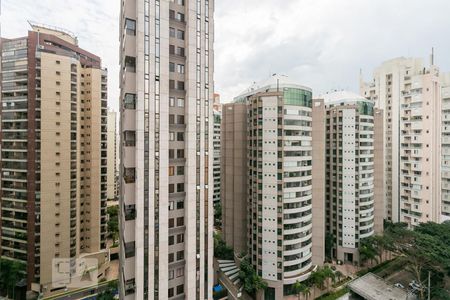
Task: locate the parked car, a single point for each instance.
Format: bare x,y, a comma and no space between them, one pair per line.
415,286
399,285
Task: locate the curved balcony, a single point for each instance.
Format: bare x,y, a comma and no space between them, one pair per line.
297,220
302,238
288,263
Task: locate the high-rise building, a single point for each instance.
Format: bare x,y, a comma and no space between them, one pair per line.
234,176
112,156
445,92
167,62
410,96
354,202
53,159
216,156
280,167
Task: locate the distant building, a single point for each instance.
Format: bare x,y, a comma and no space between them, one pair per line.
445,171
54,154
112,156
353,173
409,94
216,156
274,147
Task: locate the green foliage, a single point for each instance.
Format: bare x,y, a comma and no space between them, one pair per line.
11,272
113,222
108,294
217,214
334,296
252,283
299,288
329,243
221,250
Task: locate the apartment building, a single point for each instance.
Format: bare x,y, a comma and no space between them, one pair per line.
167,66
279,166
216,156
234,176
112,156
409,94
53,153
445,165
354,201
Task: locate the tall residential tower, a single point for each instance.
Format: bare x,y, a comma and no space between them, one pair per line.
53,159
354,170
409,94
167,62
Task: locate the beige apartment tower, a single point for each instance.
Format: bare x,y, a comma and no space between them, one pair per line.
53,159
112,157
268,134
410,96
354,201
166,126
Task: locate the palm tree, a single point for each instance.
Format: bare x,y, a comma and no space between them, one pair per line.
328,274
306,292
297,288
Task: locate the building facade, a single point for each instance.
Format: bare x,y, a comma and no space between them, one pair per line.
445,93
350,173
234,176
216,156
410,96
53,160
280,184
167,62
112,156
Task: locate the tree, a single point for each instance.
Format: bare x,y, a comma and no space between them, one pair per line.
252,283
328,274
221,250
329,243
113,222
11,272
299,288
367,250
339,275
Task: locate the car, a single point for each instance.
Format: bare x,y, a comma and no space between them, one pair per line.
415,286
399,285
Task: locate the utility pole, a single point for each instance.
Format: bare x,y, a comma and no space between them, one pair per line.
429,285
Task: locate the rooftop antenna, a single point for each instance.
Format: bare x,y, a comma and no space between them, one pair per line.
432,56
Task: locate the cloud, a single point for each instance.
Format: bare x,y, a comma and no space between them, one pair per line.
320,43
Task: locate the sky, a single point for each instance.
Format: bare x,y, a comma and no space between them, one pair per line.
322,44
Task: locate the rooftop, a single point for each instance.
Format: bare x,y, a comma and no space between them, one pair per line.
342,97
372,287
274,83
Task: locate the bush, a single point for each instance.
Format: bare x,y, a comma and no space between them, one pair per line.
334,296
221,250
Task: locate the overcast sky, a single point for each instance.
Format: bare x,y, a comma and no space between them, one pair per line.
320,43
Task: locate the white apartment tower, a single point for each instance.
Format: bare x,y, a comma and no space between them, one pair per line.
216,162
166,152
354,170
410,95
280,184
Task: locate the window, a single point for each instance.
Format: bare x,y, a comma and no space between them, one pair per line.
180,136
171,171
180,34
171,67
129,138
180,289
171,119
180,51
171,240
171,84
172,32
180,119
180,255
130,26
171,154
130,64
129,102
180,85
180,272
180,187
171,49
180,69
171,101
170,293
180,17
171,136
180,170
180,102
180,221
180,205
180,153
171,205
171,188
171,223
171,258
180,238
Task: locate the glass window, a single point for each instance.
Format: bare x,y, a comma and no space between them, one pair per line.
297,97
172,32
129,101
180,34
130,26
180,102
